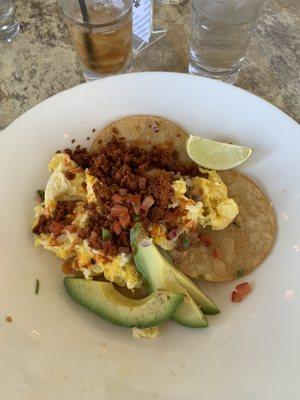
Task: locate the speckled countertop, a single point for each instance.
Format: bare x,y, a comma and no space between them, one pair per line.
41,60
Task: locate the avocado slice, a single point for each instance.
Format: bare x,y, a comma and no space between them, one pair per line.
206,304
201,299
104,300
158,275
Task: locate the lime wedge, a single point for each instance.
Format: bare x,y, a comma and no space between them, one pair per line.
216,155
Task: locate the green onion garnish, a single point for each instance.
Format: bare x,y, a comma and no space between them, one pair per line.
41,193
240,273
185,242
37,286
106,235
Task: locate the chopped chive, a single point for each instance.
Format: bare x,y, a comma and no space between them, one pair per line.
240,273
186,242
37,286
41,193
106,235
236,224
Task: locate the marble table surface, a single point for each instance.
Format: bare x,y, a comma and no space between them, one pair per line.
41,60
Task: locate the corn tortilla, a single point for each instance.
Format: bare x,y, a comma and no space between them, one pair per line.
240,247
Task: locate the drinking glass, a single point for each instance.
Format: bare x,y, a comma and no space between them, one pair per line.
219,36
101,31
9,26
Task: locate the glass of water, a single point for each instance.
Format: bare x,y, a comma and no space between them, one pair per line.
219,36
9,26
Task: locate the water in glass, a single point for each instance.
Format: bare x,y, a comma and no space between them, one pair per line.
220,34
9,26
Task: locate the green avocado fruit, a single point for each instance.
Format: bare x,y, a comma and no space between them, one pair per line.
160,274
103,299
201,299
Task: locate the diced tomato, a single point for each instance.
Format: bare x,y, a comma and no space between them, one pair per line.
171,216
56,228
236,297
117,227
117,210
243,288
117,199
216,253
147,203
94,239
124,220
142,183
206,240
135,200
71,228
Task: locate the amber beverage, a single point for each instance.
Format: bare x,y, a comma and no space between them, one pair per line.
104,42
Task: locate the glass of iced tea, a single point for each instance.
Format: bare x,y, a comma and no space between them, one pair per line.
101,31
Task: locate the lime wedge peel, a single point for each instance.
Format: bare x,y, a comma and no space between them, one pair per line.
216,155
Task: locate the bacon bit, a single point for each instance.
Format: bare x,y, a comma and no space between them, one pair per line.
70,175
56,228
124,220
71,228
117,199
206,240
216,253
94,239
147,203
236,297
142,183
243,288
117,227
66,268
8,319
106,246
123,249
171,216
135,200
83,233
117,211
123,192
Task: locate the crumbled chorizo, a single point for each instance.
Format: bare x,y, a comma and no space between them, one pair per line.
133,184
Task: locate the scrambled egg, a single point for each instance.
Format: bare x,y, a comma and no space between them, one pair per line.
158,233
219,210
211,207
59,187
119,269
214,208
147,332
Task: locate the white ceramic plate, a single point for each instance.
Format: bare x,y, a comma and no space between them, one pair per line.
54,349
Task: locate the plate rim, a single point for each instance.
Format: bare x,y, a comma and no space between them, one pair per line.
146,74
